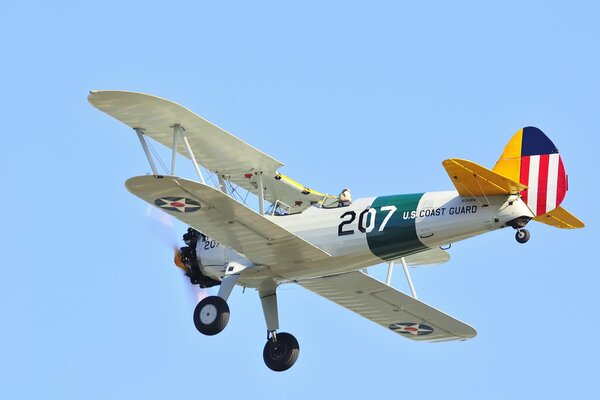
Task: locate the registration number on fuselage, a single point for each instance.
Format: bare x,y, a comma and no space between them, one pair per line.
366,220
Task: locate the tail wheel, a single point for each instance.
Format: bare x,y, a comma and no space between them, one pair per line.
282,353
211,315
522,235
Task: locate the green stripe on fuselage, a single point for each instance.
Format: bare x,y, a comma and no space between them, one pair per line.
399,236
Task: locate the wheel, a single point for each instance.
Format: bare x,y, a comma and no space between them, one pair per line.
522,235
283,353
211,315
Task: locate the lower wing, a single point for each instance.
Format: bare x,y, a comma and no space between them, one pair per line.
389,307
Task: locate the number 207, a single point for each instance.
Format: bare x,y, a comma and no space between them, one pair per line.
366,220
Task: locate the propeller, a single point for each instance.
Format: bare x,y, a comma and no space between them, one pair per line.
162,227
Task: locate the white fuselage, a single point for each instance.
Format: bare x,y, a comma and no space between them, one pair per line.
376,229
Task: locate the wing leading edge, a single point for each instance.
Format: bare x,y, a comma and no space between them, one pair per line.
389,307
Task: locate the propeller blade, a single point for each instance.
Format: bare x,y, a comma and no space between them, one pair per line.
178,262
162,227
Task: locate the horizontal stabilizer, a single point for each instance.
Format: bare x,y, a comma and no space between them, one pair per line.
473,180
389,307
560,218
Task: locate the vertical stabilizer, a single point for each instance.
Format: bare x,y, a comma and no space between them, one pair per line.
531,159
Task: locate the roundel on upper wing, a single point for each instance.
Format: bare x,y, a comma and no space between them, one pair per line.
411,328
177,204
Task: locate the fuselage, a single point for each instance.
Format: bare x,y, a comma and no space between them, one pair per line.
376,229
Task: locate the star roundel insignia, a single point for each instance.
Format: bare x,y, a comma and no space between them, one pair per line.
411,328
177,204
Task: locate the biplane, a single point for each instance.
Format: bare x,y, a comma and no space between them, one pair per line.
295,234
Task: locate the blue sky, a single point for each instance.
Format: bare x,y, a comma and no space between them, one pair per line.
370,96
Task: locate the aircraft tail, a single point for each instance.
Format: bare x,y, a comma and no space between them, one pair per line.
531,159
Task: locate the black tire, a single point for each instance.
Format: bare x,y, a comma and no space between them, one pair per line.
211,315
282,354
522,235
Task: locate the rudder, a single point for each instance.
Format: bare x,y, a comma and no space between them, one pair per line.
532,159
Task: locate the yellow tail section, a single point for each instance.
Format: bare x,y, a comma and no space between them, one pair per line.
560,218
509,163
471,179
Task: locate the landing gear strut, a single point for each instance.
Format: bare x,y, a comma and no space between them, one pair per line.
281,351
211,316
522,235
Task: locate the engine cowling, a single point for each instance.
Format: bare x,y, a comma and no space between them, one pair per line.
207,261
216,260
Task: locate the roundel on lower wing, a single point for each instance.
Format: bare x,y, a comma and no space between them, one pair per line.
177,204
411,328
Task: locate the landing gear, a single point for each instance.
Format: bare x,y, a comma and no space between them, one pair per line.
522,235
211,315
281,351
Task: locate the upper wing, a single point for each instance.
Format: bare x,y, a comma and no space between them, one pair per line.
389,307
219,216
560,218
472,179
213,147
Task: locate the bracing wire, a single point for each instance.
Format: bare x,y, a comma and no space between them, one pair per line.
211,176
157,157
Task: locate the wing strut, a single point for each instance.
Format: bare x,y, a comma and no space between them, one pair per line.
178,130
181,130
261,194
388,280
174,150
408,278
140,134
222,184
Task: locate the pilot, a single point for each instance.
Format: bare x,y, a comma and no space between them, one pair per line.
345,198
